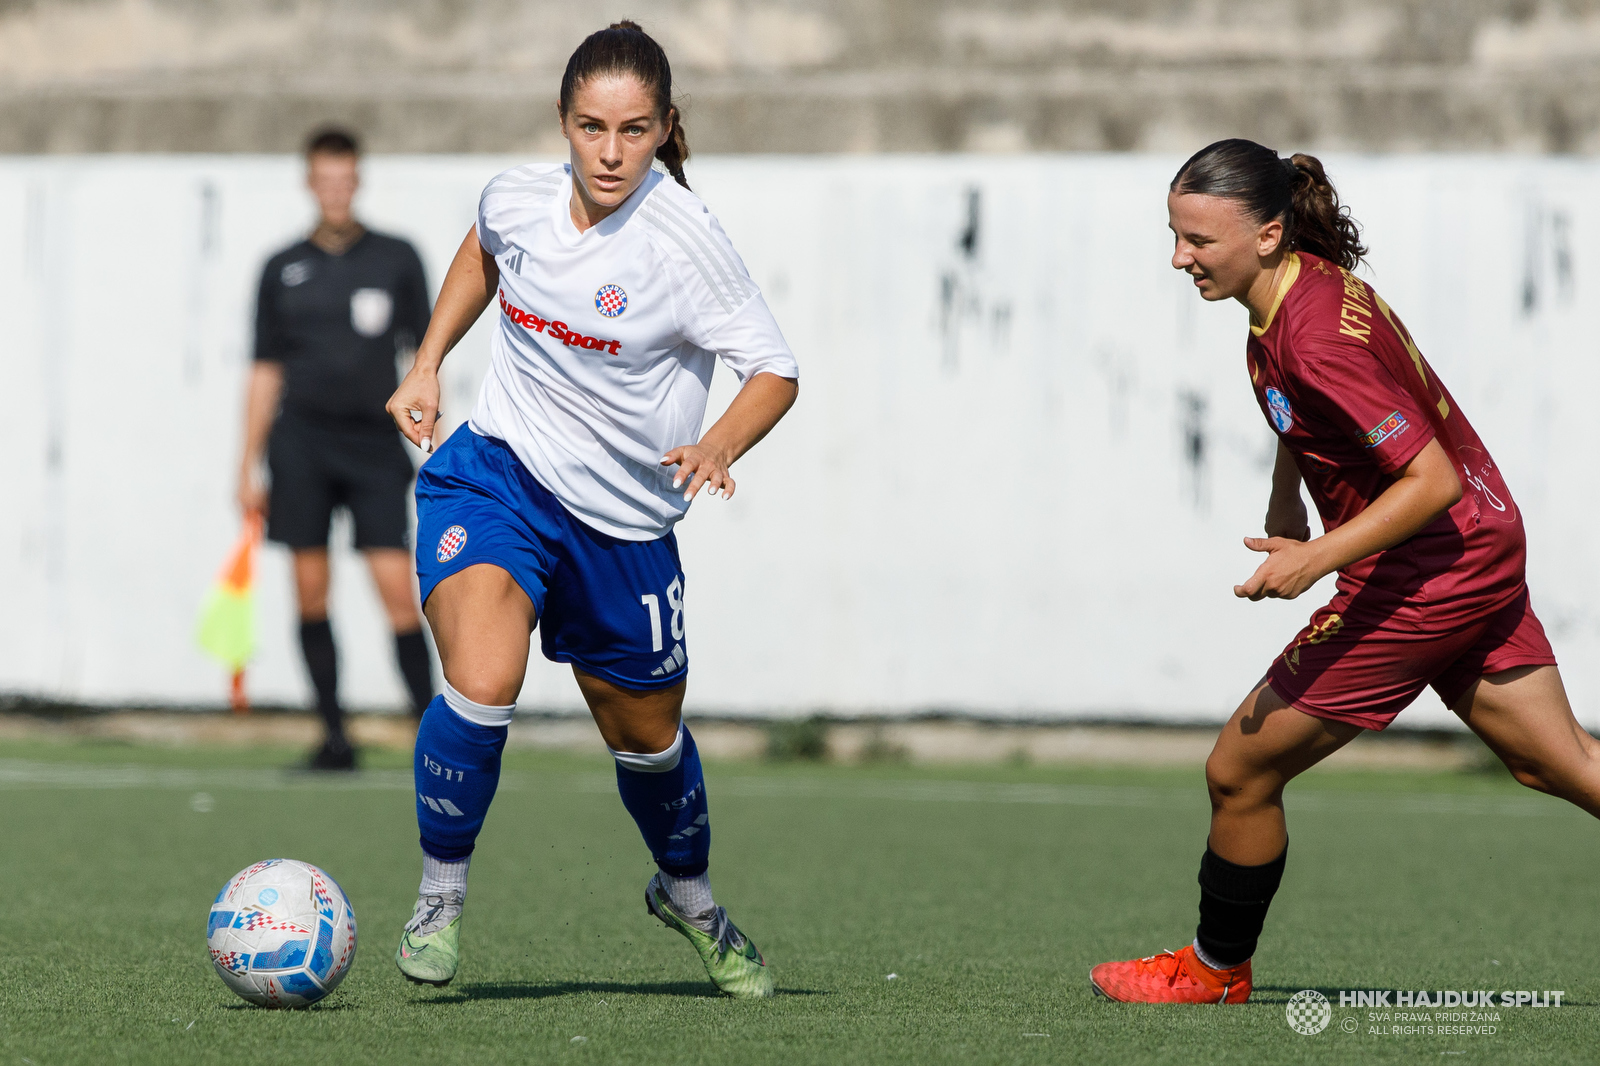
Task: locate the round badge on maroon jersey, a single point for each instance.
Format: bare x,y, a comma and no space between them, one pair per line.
450,545
611,301
1279,411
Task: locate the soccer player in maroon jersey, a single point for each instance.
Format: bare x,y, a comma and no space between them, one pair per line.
1419,525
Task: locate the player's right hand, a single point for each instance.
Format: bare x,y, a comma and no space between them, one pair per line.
252,495
1292,566
415,407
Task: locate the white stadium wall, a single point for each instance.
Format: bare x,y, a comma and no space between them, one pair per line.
1015,483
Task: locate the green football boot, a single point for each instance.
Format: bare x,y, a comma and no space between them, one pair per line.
732,960
430,945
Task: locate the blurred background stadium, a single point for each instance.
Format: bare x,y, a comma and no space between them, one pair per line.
1024,451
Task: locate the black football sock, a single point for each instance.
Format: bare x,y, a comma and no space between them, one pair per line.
322,663
1233,905
412,651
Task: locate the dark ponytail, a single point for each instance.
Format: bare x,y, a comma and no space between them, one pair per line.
1294,191
624,48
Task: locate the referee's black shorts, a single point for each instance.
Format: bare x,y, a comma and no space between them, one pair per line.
317,467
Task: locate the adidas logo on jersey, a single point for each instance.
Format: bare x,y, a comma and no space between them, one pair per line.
556,330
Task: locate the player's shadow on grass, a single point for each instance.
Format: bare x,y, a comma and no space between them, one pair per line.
320,1006
488,990
1282,993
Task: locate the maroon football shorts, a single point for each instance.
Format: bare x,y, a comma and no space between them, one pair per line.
1360,663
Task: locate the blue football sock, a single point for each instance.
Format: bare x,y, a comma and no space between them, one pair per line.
457,769
666,794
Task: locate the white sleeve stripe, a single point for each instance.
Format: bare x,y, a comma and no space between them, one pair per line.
511,186
732,281
711,283
514,180
727,267
499,182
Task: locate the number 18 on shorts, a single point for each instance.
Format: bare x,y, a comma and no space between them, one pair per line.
611,607
678,659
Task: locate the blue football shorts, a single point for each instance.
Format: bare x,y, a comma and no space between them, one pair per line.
613,608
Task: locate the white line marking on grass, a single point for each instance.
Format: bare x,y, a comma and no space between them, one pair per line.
20,774
1124,796
23,774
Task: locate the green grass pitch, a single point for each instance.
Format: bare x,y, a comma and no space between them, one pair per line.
988,892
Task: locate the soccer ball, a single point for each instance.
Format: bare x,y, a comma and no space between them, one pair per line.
282,933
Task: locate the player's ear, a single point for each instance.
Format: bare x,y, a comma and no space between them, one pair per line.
561,120
1269,238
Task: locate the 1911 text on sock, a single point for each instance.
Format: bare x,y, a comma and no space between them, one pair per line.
439,769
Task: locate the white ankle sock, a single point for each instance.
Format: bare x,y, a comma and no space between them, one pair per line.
691,895
440,878
1208,960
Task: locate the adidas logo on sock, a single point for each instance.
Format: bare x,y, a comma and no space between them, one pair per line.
671,664
442,806
691,830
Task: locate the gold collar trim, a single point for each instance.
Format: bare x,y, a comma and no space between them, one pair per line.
1284,286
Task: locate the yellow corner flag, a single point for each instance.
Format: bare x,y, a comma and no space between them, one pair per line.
227,629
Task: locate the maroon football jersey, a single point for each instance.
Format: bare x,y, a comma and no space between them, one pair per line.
1345,388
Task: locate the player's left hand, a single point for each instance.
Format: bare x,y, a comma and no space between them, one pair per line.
700,466
1290,569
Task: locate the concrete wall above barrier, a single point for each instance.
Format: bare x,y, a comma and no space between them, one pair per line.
1014,485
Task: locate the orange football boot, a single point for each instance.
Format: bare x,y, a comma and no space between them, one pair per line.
1171,978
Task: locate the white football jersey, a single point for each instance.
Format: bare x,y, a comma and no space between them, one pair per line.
602,355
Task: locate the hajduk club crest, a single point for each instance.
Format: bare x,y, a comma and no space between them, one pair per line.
450,545
611,301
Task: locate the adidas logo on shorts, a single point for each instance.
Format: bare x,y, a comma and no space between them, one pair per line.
671,664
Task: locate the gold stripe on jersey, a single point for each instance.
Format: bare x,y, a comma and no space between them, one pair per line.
1284,286
1404,334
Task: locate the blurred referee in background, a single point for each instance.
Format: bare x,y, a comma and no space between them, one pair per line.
334,312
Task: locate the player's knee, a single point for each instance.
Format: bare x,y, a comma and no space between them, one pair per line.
1566,782
1531,778
1228,783
1224,783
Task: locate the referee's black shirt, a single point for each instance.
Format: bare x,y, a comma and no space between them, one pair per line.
335,322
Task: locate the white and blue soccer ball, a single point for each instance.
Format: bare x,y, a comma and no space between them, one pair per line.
282,933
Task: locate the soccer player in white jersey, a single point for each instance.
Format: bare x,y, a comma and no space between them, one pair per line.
615,292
